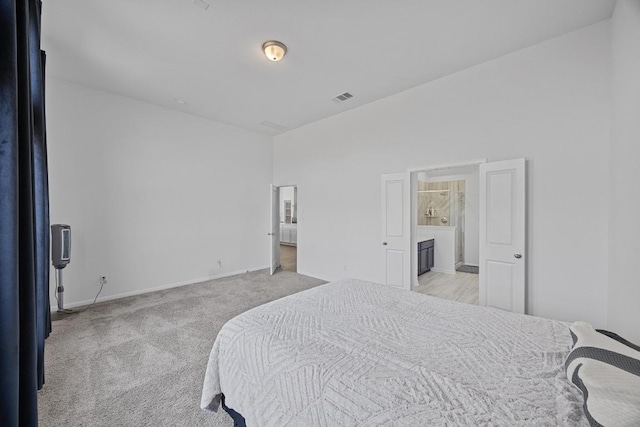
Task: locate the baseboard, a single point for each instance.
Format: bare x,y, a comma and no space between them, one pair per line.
472,265
54,308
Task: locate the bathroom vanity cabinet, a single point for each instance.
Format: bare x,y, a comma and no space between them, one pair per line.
425,256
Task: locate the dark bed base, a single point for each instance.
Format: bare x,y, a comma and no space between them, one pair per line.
238,420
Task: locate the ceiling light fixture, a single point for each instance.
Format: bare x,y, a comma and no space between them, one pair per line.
274,50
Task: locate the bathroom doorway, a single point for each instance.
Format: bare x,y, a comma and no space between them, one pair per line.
447,232
288,206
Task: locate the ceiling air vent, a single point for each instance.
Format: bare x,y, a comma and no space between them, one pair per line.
343,97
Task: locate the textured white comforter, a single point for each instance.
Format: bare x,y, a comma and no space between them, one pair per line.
354,353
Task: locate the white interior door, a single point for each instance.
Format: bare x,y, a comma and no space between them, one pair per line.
502,235
275,228
396,229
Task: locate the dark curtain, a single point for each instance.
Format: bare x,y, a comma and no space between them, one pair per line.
25,319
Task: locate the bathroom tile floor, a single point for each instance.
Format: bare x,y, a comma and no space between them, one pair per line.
462,287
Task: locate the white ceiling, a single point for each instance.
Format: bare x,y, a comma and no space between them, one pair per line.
162,50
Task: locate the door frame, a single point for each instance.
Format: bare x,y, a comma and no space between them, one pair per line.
297,220
413,207
274,218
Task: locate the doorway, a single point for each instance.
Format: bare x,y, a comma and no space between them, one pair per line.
288,228
284,228
502,224
447,225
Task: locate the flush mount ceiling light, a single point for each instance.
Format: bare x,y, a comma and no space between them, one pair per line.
274,50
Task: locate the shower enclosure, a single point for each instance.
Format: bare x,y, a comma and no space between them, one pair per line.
444,208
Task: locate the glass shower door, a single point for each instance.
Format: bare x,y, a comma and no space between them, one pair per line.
456,212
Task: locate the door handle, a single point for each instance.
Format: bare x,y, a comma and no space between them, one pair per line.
517,256
269,234
384,243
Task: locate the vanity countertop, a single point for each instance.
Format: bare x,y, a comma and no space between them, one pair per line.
423,235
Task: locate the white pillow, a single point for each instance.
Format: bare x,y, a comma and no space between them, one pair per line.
607,370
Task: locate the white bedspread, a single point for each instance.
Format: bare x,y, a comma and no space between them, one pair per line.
354,353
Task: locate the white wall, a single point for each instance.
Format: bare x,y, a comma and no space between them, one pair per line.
549,103
624,286
154,197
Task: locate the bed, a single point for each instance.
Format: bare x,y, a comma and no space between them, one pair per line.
355,353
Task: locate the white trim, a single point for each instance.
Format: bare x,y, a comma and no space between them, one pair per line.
413,250
473,265
54,308
448,166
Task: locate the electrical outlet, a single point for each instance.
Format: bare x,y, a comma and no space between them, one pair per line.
103,280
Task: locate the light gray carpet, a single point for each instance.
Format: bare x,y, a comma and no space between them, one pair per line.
140,361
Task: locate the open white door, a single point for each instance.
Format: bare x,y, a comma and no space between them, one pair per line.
396,229
502,235
275,228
